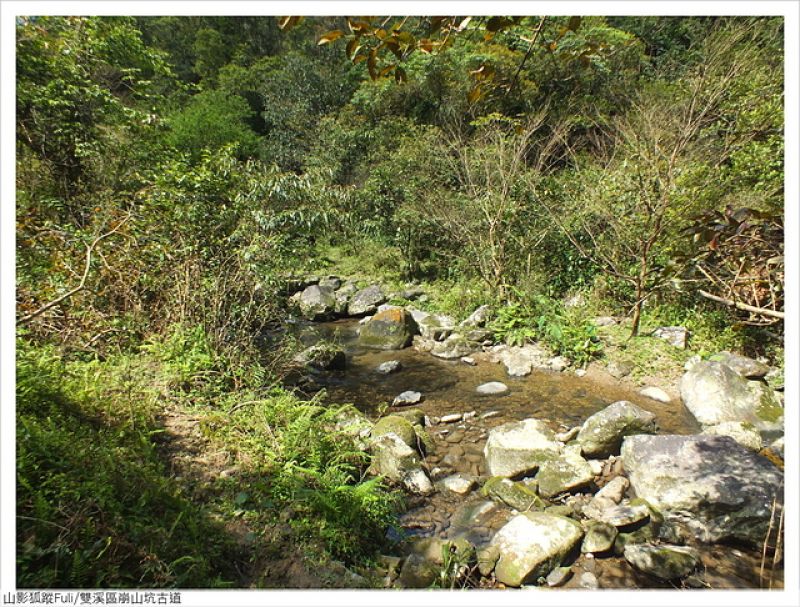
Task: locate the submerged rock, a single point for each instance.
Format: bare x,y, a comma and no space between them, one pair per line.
409,397
533,544
655,394
663,561
602,433
514,494
492,388
709,486
390,366
519,447
714,393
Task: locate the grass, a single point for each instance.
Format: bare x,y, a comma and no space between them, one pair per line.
99,502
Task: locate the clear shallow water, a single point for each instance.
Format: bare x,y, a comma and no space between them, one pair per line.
562,398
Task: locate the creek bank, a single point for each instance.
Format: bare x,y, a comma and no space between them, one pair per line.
468,475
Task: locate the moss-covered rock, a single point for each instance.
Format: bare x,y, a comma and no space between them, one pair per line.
397,425
391,329
563,473
514,494
599,537
665,562
603,432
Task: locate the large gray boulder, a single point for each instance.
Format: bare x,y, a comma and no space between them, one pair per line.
602,433
478,318
392,329
520,447
394,459
366,301
714,393
531,545
707,486
317,303
743,433
435,326
322,356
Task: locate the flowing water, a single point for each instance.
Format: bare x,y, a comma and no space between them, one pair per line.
564,399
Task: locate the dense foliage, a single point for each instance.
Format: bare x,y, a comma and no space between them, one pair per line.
173,172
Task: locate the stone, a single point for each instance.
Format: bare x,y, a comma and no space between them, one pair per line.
620,368
391,329
564,472
614,490
675,336
455,346
618,515
451,418
415,416
516,448
317,303
602,433
425,444
714,393
417,572
777,447
655,394
417,482
420,344
468,360
558,577
332,282
392,456
588,581
436,326
599,537
366,301
390,366
409,397
743,433
487,559
397,425
488,415
663,561
568,435
533,544
478,318
322,356
580,372
519,361
709,486
492,388
513,494
744,366
460,484
596,465
558,363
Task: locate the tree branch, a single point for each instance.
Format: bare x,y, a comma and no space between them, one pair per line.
741,306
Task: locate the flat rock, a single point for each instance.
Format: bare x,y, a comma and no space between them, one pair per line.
468,360
708,486
455,346
492,388
519,447
619,515
558,577
409,397
390,366
602,433
513,494
663,561
564,472
614,490
533,544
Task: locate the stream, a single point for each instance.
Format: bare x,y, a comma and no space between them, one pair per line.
563,399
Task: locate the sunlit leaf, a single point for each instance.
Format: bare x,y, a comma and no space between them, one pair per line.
352,47
474,94
330,36
287,23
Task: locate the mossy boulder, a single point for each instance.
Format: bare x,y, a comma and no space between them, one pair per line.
520,447
599,537
514,494
602,433
397,425
391,329
317,302
533,544
563,473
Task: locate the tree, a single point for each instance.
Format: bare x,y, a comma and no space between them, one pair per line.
628,206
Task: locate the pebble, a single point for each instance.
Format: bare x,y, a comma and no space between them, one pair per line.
580,372
409,397
451,418
588,580
468,360
455,437
390,366
492,388
489,414
656,394
469,415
